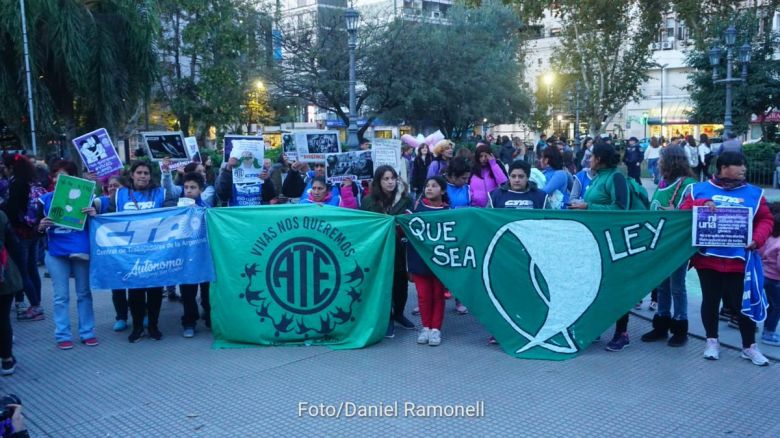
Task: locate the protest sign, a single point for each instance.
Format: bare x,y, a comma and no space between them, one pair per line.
723,227
192,149
386,152
300,274
230,140
288,146
149,248
506,266
71,195
249,154
357,165
98,153
160,145
312,146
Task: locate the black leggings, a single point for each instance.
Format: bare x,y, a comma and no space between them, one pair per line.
6,332
728,287
189,293
119,297
621,326
400,293
142,299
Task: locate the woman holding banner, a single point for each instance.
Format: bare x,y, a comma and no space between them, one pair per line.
68,254
676,181
142,194
722,270
321,193
607,191
387,196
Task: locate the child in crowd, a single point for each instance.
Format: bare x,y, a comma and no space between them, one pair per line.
770,258
194,183
430,291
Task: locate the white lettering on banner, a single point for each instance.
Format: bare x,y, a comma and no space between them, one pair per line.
444,256
630,234
146,205
728,199
149,267
423,230
141,231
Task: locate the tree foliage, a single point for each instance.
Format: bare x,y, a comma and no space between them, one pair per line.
91,62
212,53
606,45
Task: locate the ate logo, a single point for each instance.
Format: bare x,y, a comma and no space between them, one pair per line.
304,288
303,276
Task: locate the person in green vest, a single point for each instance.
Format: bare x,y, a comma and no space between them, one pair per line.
388,195
607,191
676,181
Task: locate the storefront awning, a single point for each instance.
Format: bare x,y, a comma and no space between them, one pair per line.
675,113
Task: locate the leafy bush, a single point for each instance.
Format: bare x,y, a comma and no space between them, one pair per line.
760,158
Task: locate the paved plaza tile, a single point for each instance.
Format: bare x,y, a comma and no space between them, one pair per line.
182,387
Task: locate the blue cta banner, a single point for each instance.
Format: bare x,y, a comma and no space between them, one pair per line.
150,248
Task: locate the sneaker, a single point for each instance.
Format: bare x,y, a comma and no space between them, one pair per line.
752,354
405,323
492,341
447,295
618,342
156,334
424,335
653,306
712,350
435,338
188,332
31,314
390,333
135,336
416,311
9,366
771,338
90,342
120,325
21,308
461,309
65,345
638,305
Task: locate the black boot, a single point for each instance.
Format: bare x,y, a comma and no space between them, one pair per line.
660,329
679,331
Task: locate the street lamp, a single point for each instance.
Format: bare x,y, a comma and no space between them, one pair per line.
352,16
576,107
645,117
259,85
744,59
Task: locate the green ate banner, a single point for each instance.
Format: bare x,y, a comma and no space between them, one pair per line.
300,274
546,283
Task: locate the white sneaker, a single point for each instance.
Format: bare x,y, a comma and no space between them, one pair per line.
424,336
712,350
435,338
755,356
461,309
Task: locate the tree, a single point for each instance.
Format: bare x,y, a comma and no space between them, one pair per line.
761,93
212,54
606,45
465,71
91,61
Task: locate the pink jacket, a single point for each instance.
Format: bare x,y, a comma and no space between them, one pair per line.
482,185
770,257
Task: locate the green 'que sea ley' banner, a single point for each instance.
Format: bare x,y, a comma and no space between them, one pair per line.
547,283
300,275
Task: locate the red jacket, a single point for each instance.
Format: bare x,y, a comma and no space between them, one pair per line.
763,223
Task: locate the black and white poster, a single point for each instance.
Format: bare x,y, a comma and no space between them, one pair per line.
312,146
288,146
357,165
160,145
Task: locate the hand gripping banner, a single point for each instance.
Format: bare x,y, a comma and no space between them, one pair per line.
298,274
149,248
547,283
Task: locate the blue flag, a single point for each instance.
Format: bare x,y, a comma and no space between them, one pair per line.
754,302
150,248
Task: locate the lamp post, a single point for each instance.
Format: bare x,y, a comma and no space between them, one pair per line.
576,106
663,92
28,75
744,59
645,117
352,16
548,79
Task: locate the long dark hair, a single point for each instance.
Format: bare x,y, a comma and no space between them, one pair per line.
674,164
443,184
554,157
377,194
19,190
476,168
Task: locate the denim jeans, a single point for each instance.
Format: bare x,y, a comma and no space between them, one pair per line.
772,289
60,269
28,251
652,166
672,291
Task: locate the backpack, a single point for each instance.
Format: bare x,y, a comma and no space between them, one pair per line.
637,196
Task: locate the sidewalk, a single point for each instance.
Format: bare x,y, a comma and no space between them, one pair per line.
728,336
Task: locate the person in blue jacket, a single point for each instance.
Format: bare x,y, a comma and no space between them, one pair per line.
142,194
244,194
557,186
519,192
